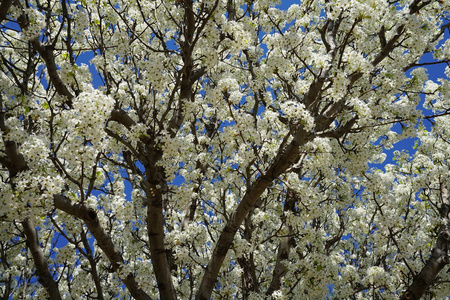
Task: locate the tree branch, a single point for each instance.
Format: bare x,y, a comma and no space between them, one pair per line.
283,248
93,264
155,231
4,8
45,278
14,161
284,159
104,241
389,46
46,52
439,255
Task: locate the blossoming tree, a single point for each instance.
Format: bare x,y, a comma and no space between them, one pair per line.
223,148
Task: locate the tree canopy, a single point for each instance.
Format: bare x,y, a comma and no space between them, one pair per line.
224,149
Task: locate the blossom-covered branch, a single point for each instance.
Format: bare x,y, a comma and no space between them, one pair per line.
224,149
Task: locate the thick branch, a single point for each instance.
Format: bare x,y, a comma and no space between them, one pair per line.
104,241
284,160
389,46
418,5
45,278
46,52
156,236
186,82
14,161
247,263
4,8
283,249
155,216
415,7
192,32
438,260
439,256
120,116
